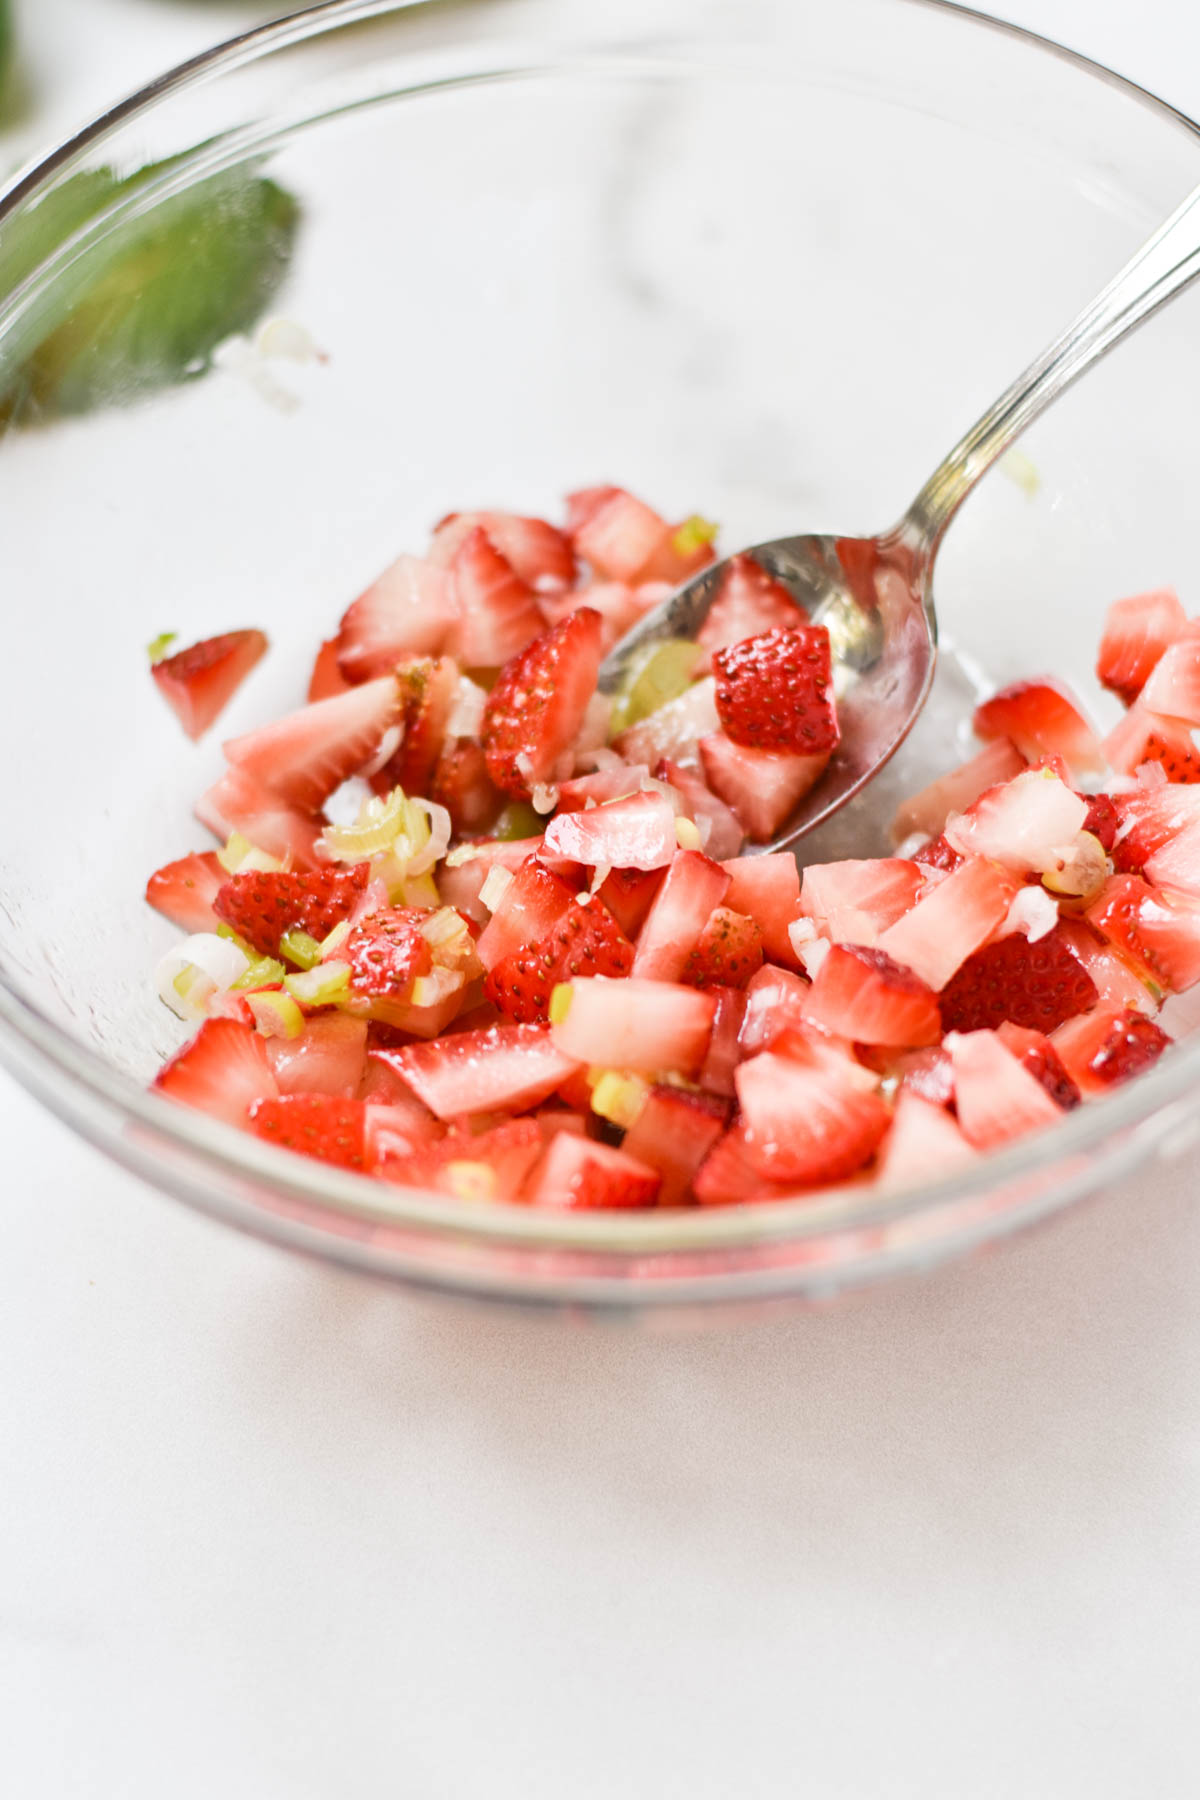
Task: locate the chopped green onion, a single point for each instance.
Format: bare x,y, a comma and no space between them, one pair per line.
227,931
276,1014
333,940
694,534
301,949
161,645
518,820
560,1002
322,986
470,1180
619,1097
656,674
263,972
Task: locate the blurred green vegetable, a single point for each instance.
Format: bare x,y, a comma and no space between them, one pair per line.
146,306
6,44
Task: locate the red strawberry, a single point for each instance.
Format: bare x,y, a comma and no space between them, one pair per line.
767,890
1102,819
926,813
462,785
262,904
1146,737
775,691
763,787
387,952
511,1066
1173,687
672,1134
1117,982
303,757
1133,1043
721,834
996,1098
1176,864
427,687
1041,719
629,895
1035,985
1136,632
950,921
776,1000
326,679
727,1177
184,891
199,682
724,1051
1034,1051
497,612
748,602
538,552
938,853
923,1143
586,940
586,1176
650,1026
536,708
223,1071
315,1125
728,953
485,1165
329,1057
638,833
928,1073
861,994
528,910
619,536
409,611
805,1122
1158,932
1148,819
693,887
852,902
617,783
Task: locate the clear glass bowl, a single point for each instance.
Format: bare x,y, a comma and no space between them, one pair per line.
757,258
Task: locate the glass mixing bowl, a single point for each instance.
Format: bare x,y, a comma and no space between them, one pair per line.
758,257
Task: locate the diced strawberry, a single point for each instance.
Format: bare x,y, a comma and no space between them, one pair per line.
1133,1043
326,678
460,882
575,1172
722,836
409,611
262,904
950,921
1146,737
1041,719
604,785
303,757
1160,933
386,952
672,1134
619,606
852,902
538,551
861,994
674,730
727,1177
775,691
938,853
776,1000
694,886
767,889
435,1015
314,1125
1117,981
511,1066
924,1142
462,785
1102,819
1176,864
619,536
497,613
926,813
996,1097
724,1052
1034,1051
1150,818
728,953
239,803
484,1165
199,682
184,891
329,1057
535,710
1173,687
748,602
650,1026
223,1071
1136,632
764,787
1023,824
384,1087
1037,985
927,1073
807,1123
629,895
427,687
531,906
676,557
586,940
637,833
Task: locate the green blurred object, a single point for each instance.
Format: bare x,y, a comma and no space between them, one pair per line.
154,297
518,820
6,44
660,673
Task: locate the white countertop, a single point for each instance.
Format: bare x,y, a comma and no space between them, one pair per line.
270,1531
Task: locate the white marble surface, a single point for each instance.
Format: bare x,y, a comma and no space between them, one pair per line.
271,1532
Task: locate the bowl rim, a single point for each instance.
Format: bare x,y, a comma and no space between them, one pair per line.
43,1055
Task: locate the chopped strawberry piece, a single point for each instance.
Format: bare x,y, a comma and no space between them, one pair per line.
950,921
1117,982
775,691
462,785
724,1051
619,606
512,1066
629,895
326,679
239,803
401,1020
585,503
538,552
1160,933
575,1172
807,1123
383,1086
261,905
386,953
649,1026
1149,819
329,1057
604,785
1023,824
303,757
1146,737
776,1000
409,611
1034,1051
674,730
1173,688
198,683
763,787
537,706
586,940
1035,985
694,886
314,1125
728,952
1041,719
861,994
1176,864
721,835
675,558
1136,632
223,1071
996,1097
184,891
923,1143
619,537
938,853
1077,1042
497,612
637,833
748,602
460,883
767,889
1133,1043
427,687
727,1177
852,902
531,906
485,1165
673,1134
1102,818
928,1073
926,813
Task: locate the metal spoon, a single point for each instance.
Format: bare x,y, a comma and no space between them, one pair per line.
875,594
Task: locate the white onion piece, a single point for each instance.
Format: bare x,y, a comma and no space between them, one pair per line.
495,886
1032,913
466,711
1151,775
389,743
813,955
216,957
544,797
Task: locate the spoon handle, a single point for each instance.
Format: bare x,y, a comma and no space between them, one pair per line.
1164,265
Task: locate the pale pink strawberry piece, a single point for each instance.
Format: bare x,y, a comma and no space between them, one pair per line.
694,886
427,1019
577,1173
1158,932
763,787
1173,687
767,889
585,503
724,1052
462,785
619,606
460,883
863,995
1080,1041
199,682
329,1057
539,553
184,891
301,758
393,1135
1041,719
1034,1051
950,921
727,1177
1148,819
748,602
1117,982
852,902
728,952
497,612
239,803
1136,632
604,785
491,1164
629,894
637,833
776,1000
997,1099
1176,864
672,1134
721,833
927,1073
384,1088
1024,824
673,562
511,1066
409,611
530,907
1110,1046
926,812
537,706
650,1026
675,730
807,1123
552,1119
924,1143
223,1071
620,536
1146,737
326,678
